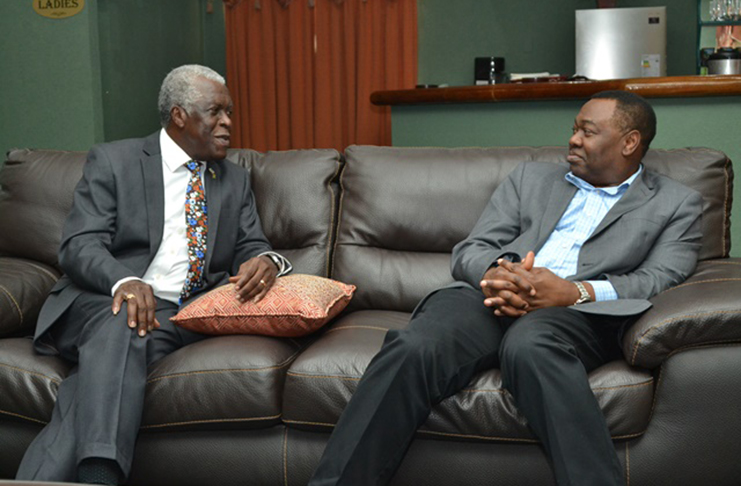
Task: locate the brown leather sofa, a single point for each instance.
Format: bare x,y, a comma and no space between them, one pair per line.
258,410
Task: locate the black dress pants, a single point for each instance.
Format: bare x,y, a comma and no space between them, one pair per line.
99,405
544,357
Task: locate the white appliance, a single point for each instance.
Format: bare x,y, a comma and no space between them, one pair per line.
619,43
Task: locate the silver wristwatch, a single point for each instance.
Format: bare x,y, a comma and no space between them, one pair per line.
583,294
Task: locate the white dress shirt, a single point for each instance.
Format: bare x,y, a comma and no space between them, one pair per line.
166,274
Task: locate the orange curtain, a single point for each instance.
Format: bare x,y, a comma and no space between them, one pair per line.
301,72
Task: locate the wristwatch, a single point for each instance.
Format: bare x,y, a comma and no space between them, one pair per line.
276,261
583,294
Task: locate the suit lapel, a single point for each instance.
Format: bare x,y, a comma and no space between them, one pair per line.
154,191
559,200
214,185
636,196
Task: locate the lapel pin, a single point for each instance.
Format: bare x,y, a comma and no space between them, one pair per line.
213,174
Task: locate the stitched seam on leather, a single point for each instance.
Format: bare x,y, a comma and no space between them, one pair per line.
509,439
372,328
634,385
17,415
243,370
15,302
481,437
334,377
39,267
465,436
627,464
210,421
285,457
303,422
34,373
600,388
671,320
721,262
712,280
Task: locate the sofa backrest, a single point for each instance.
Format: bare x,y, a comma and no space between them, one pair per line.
294,192
403,209
37,188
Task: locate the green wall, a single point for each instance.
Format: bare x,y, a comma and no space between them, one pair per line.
70,83
140,42
532,36
50,78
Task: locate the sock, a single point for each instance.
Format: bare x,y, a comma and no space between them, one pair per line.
96,470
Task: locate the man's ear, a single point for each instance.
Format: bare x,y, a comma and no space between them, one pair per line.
632,143
178,116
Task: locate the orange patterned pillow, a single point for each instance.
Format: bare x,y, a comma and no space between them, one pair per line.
296,305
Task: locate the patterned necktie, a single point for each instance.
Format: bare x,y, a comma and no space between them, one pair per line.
196,220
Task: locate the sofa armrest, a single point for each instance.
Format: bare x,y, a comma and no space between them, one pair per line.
24,285
704,310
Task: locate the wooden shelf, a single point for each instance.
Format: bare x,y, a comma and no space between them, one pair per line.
666,87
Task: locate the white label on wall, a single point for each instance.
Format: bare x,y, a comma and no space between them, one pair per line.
650,65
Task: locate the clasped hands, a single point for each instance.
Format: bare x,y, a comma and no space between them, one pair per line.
514,289
253,280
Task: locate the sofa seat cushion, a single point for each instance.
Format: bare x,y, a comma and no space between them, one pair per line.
322,379
226,381
28,381
223,381
24,285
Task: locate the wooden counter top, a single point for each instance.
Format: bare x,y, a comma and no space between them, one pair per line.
667,87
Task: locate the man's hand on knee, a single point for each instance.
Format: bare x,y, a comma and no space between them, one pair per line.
140,305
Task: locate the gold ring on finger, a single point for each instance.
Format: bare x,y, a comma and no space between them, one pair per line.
262,282
129,296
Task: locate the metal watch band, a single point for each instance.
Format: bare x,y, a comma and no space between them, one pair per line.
583,294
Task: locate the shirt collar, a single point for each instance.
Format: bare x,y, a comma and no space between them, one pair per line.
173,156
612,190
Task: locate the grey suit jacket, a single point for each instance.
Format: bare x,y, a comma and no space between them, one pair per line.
647,242
115,226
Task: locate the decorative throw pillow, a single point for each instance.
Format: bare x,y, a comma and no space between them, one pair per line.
296,305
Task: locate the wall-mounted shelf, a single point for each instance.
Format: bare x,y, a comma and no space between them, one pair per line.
662,87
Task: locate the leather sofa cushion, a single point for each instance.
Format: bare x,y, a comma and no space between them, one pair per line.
705,309
403,209
24,285
28,381
296,196
226,382
322,379
37,193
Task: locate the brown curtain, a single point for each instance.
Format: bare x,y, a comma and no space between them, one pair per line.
301,72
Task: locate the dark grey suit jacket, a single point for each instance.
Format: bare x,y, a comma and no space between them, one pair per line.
115,226
647,242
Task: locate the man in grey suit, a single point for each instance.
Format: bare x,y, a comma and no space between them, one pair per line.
562,258
155,221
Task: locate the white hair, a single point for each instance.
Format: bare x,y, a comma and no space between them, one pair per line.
178,88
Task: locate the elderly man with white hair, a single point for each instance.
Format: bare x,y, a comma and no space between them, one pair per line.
142,239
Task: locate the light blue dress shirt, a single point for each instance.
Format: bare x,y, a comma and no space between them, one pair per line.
590,204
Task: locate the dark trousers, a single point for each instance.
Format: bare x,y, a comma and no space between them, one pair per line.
544,357
99,405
